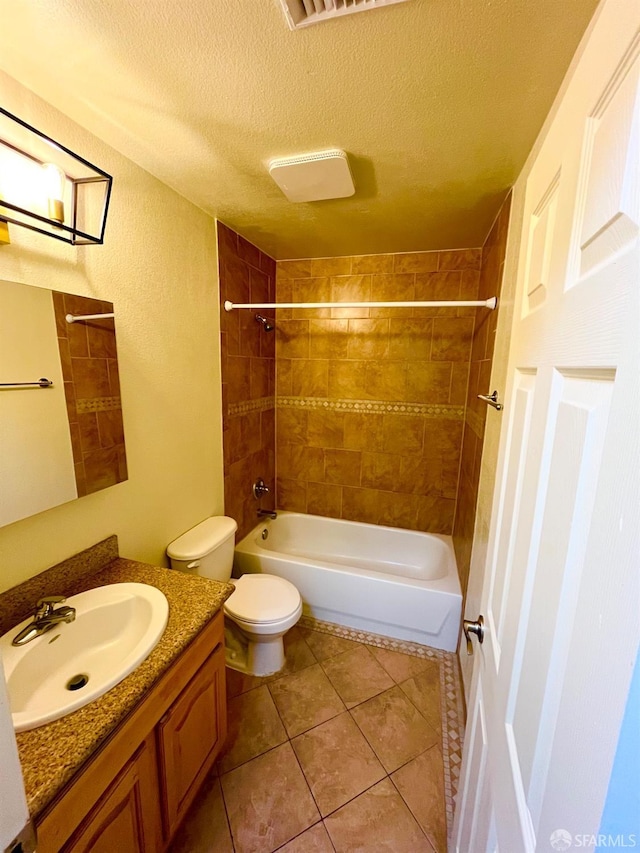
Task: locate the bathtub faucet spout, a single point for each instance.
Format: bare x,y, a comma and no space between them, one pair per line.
267,513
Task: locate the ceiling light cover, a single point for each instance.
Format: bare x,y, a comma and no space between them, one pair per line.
303,13
314,177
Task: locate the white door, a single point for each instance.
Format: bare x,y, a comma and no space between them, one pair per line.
561,599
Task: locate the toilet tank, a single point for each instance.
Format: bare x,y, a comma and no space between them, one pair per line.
206,549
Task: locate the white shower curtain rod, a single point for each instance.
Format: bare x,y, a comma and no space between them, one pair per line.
464,303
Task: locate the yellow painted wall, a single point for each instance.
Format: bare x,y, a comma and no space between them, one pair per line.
159,267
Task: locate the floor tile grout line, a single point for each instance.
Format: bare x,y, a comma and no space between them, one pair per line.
415,817
449,682
450,701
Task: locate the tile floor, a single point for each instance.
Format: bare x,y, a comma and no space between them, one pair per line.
342,751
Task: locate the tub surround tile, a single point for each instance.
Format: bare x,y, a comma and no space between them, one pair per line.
254,726
337,762
356,675
305,699
376,820
205,828
279,807
50,755
420,783
395,728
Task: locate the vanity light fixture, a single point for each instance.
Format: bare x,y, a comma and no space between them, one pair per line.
47,188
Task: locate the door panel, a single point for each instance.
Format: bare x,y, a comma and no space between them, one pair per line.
562,586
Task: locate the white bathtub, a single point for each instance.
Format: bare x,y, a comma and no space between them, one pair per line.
383,580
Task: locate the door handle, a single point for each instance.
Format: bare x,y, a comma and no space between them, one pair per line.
476,628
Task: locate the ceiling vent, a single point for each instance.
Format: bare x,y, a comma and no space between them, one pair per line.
313,177
303,13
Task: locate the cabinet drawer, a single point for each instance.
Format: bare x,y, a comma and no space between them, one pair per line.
190,736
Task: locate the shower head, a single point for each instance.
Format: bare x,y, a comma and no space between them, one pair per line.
268,324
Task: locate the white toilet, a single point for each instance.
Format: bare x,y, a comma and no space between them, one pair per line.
260,611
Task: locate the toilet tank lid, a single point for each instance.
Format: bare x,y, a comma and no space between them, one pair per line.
203,538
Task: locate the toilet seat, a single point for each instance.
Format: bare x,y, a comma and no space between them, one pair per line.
263,599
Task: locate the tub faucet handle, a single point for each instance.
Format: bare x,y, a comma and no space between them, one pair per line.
260,488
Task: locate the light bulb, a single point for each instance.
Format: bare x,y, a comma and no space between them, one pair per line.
54,179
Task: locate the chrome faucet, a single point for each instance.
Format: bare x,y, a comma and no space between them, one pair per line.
45,618
267,513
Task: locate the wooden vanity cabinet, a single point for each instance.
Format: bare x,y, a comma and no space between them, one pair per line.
133,793
190,736
127,815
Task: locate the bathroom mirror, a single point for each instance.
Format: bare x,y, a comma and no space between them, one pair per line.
61,430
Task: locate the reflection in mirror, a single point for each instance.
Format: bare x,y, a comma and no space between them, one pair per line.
65,440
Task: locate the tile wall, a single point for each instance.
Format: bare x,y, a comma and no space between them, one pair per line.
491,271
92,390
370,402
248,378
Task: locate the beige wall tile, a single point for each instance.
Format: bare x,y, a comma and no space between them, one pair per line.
410,340
309,377
402,434
368,339
361,505
385,380
363,431
428,381
452,339
316,289
460,259
372,264
342,467
328,338
347,379
293,339
381,470
416,262
324,499
435,515
350,288
325,428
293,269
291,495
292,425
330,266
398,510
397,287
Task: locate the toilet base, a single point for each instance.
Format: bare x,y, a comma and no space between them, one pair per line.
262,658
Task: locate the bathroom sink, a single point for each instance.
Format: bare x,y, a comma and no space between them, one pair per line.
115,629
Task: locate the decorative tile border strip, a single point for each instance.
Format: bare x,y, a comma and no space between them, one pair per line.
263,404
476,423
451,698
373,406
98,404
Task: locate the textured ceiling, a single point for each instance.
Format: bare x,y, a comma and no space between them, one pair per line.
437,103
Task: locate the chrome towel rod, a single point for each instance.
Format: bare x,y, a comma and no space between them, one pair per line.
492,400
470,303
41,383
75,318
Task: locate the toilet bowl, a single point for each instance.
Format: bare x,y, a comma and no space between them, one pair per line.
257,614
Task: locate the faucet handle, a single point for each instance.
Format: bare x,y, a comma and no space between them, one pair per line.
45,605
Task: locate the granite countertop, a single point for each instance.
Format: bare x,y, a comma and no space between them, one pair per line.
52,754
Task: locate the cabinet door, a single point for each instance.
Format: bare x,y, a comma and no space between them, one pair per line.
127,816
190,736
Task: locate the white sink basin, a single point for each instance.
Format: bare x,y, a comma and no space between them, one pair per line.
115,629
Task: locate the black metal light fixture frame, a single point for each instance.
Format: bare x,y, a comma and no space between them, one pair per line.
88,174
